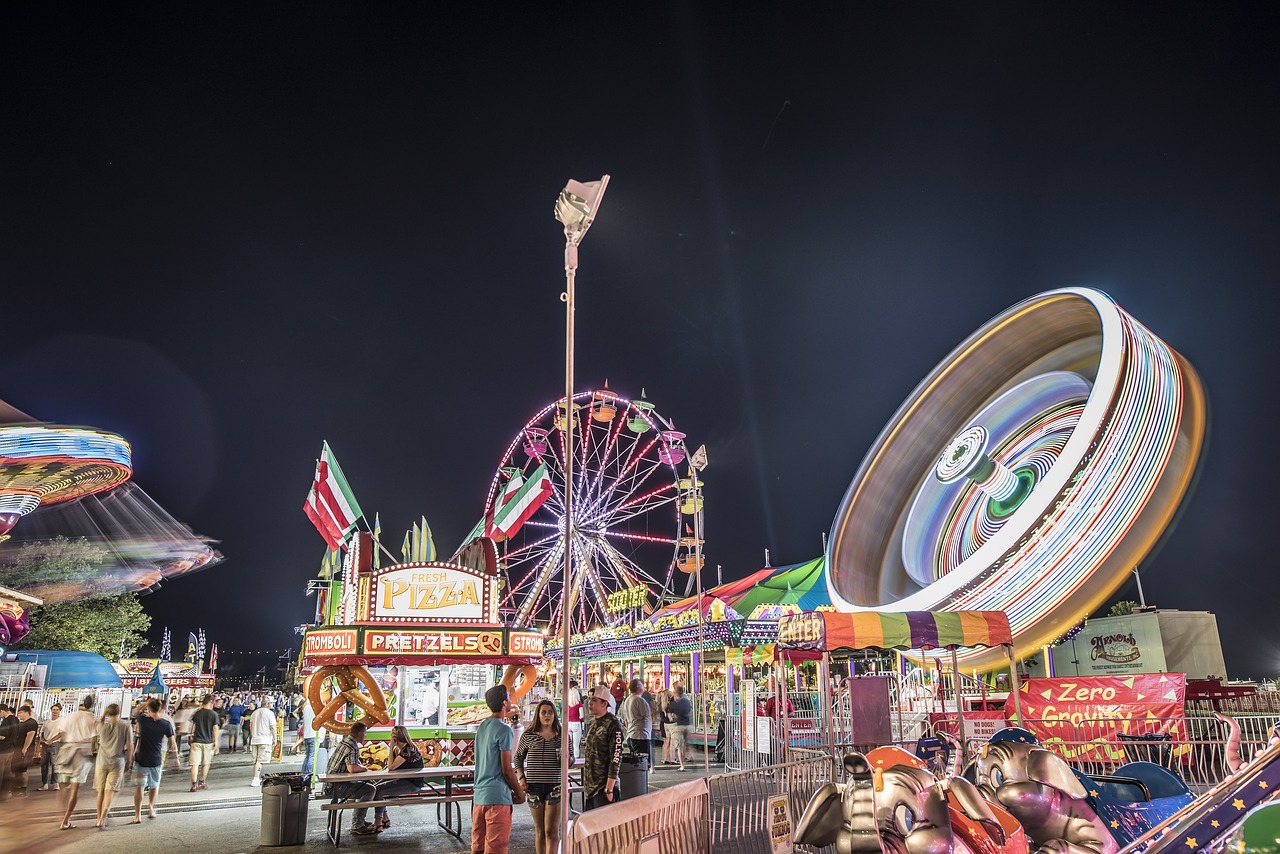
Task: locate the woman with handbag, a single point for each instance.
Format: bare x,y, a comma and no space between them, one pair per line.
538,769
115,751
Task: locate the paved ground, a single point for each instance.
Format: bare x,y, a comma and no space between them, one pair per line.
225,818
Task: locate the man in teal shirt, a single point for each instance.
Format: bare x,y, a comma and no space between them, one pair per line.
496,787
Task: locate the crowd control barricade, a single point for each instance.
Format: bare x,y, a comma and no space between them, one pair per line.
741,814
667,821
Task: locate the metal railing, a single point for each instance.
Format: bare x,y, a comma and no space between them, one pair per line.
669,821
740,814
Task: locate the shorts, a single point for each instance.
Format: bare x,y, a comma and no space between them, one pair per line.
201,754
107,775
145,777
260,752
542,793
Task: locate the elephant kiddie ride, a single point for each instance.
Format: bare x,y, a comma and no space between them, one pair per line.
1013,797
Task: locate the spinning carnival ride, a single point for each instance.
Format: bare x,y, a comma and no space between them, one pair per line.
1029,473
627,501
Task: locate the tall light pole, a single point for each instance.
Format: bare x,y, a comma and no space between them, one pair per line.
697,463
576,209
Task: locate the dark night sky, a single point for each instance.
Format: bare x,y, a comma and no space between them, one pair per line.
232,235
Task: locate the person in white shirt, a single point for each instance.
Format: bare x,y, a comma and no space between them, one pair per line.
75,757
262,737
50,741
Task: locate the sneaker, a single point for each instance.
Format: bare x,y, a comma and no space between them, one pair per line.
364,830
43,788
56,787
257,781
195,787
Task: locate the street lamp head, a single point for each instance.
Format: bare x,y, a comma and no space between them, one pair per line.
577,206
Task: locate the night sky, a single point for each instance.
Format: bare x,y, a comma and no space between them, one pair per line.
232,234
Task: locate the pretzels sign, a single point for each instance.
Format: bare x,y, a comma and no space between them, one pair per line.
349,678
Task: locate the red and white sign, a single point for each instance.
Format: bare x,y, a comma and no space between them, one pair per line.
526,643
1084,715
322,643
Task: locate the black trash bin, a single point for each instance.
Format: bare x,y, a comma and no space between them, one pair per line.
285,800
1152,747
633,777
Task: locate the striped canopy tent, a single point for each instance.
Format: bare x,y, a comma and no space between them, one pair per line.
802,586
727,593
809,635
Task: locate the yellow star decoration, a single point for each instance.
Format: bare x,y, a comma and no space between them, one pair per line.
1262,783
1114,824
1191,842
1215,823
1238,804
1093,793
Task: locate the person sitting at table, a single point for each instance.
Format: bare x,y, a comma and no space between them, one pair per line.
345,759
405,756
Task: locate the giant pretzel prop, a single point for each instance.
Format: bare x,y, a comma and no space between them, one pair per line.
349,678
519,680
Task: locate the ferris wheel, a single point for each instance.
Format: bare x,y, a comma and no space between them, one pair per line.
628,499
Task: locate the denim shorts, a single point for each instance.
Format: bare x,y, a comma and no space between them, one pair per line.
540,793
146,778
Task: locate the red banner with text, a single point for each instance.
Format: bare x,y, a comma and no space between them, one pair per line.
1097,717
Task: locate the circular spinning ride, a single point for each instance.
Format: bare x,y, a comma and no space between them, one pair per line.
1029,473
44,464
626,506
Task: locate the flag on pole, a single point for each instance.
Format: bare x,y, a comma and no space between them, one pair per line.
424,547
406,548
166,649
527,498
377,539
213,660
330,505
191,646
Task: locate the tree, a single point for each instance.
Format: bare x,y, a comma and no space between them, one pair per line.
1123,608
83,610
90,625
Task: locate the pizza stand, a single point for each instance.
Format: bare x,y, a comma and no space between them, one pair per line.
822,635
417,626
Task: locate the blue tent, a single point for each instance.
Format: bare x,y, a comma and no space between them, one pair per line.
71,669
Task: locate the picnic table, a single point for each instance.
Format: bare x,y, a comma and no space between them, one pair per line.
437,788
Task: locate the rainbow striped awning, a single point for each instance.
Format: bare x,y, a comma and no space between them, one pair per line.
827,631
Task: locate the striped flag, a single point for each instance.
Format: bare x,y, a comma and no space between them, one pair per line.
213,660
331,506
523,503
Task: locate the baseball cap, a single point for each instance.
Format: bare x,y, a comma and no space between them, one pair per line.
602,693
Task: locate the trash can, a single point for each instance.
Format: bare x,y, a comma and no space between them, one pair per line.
1151,747
633,776
285,800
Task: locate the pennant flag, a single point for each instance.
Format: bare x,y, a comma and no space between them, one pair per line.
424,546
331,564
377,539
191,646
213,660
166,651
406,548
330,505
200,647
528,497
156,685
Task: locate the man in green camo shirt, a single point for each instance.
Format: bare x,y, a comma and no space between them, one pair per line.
601,751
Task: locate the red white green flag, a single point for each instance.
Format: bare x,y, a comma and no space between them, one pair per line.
331,506
519,505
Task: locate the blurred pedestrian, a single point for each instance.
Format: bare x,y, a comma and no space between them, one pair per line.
50,741
154,729
75,758
262,737
115,759
204,742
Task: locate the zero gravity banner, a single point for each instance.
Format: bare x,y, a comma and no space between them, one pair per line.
1094,716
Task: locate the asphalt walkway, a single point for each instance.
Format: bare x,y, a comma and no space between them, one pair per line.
225,818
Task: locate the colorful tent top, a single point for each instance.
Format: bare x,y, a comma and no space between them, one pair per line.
69,669
765,593
828,631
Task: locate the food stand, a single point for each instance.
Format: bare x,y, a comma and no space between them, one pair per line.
414,644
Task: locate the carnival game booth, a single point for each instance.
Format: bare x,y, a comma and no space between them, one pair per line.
860,709
736,644
44,677
415,644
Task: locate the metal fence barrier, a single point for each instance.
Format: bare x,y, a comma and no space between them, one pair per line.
740,815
